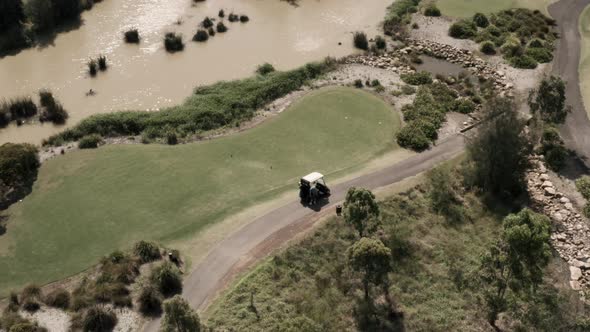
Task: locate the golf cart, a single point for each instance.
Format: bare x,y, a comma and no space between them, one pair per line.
313,187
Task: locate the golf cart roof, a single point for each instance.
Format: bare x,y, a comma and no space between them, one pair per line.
312,177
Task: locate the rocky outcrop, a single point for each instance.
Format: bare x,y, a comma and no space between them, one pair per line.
570,232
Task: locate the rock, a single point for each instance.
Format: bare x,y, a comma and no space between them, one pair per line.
547,184
575,285
568,206
575,273
557,216
580,264
549,191
563,200
542,168
544,177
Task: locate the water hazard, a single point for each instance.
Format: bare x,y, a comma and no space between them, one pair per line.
146,77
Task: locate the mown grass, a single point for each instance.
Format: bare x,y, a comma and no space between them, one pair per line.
464,9
308,286
90,202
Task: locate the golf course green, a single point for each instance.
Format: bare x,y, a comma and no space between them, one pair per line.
88,203
466,8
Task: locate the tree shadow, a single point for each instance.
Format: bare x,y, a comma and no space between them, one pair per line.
377,317
574,167
317,207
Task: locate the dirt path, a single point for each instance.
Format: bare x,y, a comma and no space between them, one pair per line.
576,130
219,267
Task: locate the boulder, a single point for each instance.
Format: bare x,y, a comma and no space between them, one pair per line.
549,191
575,273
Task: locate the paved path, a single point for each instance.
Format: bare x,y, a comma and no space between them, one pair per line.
208,277
576,131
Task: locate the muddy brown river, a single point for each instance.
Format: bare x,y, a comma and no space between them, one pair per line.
146,77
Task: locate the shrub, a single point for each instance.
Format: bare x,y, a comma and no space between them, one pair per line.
415,25
360,40
481,20
488,47
92,67
102,63
146,251
265,68
167,278
358,83
221,13
18,168
221,28
417,78
233,17
173,42
523,62
583,185
150,301
408,89
380,42
201,36
586,213
52,109
464,106
99,319
375,83
90,141
431,10
207,23
58,298
132,36
171,137
541,55
244,18
463,29
536,42
412,137
16,109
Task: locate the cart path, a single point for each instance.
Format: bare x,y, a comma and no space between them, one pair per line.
211,275
576,130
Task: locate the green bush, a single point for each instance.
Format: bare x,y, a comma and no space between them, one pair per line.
90,141
167,278
173,42
417,78
171,137
541,55
201,36
463,30
131,36
464,106
18,170
488,47
583,185
481,20
431,10
146,251
265,68
58,298
536,42
380,42
586,213
358,83
99,319
360,40
221,28
412,137
523,62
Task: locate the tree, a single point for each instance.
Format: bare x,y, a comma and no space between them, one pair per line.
372,258
499,151
360,209
179,316
516,261
548,100
167,279
11,14
64,10
443,196
40,12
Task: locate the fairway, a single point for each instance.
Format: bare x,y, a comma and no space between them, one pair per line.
90,202
585,57
466,8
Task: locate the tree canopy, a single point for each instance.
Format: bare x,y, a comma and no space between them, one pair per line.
372,258
548,100
360,209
